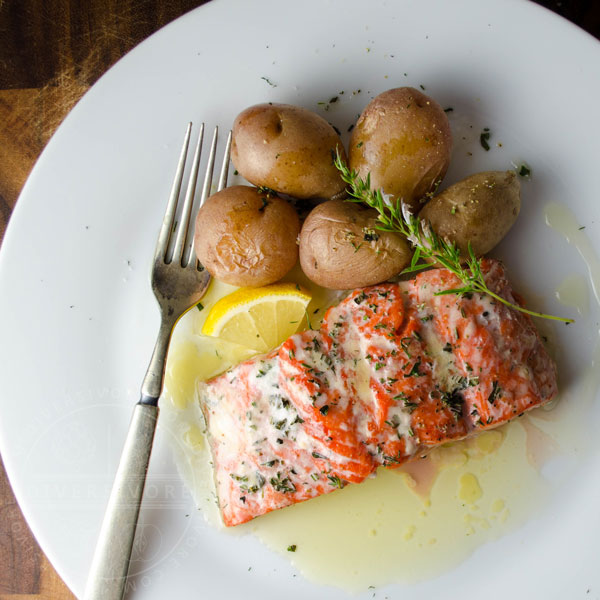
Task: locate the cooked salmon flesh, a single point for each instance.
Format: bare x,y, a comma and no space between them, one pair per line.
393,371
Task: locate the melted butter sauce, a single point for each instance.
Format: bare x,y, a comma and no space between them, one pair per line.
574,292
424,518
566,419
381,532
562,220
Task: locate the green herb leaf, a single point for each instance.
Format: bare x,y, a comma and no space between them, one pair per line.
282,484
429,247
414,372
484,138
269,81
336,482
524,170
495,393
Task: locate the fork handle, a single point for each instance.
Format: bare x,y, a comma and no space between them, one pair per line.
108,574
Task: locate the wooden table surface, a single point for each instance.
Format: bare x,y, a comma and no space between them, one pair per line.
51,51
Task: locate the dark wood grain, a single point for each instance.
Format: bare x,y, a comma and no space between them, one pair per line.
20,144
40,39
19,559
51,51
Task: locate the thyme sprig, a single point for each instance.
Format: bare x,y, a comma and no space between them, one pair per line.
427,244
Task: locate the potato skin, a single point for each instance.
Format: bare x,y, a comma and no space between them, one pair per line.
480,209
403,140
288,149
245,237
341,248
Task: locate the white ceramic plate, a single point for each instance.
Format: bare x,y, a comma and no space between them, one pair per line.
78,319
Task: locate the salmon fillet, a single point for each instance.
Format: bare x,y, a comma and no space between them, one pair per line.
393,371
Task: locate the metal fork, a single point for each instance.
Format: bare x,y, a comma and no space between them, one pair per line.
178,282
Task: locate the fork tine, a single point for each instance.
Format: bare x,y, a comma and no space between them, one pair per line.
164,235
225,167
184,222
209,169
191,262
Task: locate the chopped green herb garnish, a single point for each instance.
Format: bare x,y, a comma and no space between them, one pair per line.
279,425
200,306
269,81
495,393
454,401
292,548
410,406
405,344
260,482
524,170
336,482
308,323
362,296
414,372
282,484
369,235
263,189
484,138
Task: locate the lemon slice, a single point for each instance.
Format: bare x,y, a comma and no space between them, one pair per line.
258,318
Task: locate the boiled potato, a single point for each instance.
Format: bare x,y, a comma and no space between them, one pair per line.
479,209
341,247
246,237
403,140
288,149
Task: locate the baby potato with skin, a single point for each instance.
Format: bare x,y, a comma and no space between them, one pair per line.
479,209
288,149
403,140
246,237
341,247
